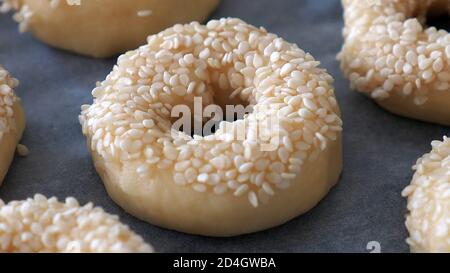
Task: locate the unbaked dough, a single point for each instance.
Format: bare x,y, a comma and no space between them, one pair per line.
390,55
12,121
216,184
38,224
103,28
428,221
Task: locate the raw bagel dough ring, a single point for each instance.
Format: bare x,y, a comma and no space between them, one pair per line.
428,221
45,225
103,28
215,185
12,121
389,56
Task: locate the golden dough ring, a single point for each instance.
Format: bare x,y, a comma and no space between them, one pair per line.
12,121
428,221
391,57
45,225
215,185
102,28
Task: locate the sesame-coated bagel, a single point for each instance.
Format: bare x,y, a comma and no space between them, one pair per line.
392,57
102,28
12,121
428,221
216,184
45,225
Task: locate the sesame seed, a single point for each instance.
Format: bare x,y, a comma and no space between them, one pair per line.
253,198
203,177
143,169
22,150
204,54
242,189
268,189
144,13
245,167
407,68
286,69
309,103
214,179
182,165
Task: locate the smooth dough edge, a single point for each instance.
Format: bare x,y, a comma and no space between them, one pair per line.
213,215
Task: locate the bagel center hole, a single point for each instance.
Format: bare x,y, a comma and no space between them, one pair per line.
438,16
439,22
203,118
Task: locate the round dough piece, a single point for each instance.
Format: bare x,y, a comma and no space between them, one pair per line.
392,57
45,225
428,221
218,184
12,121
103,28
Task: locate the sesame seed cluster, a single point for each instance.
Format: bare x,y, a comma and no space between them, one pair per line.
129,120
7,100
429,201
388,50
45,225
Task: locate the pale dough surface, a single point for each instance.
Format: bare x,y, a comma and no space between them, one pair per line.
162,202
437,108
102,28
